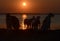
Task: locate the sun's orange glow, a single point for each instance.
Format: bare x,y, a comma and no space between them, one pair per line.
24,4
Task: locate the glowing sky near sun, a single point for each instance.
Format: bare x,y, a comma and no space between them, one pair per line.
24,4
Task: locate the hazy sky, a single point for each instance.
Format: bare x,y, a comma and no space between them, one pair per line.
33,6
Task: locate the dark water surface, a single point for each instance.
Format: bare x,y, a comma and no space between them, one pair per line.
55,22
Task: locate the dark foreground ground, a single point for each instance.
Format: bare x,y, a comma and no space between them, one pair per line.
29,35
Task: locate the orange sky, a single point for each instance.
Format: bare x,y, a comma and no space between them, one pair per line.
33,6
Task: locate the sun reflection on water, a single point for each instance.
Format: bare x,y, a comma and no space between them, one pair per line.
23,27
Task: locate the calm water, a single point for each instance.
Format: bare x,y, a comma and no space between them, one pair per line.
55,22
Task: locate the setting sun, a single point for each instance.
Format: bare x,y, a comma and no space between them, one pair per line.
24,4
